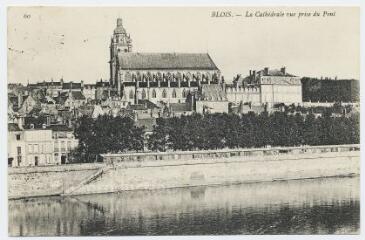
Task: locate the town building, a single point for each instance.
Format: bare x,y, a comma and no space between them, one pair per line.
89,91
267,87
64,142
48,145
16,146
212,99
29,147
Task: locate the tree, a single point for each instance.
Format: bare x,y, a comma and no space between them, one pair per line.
106,134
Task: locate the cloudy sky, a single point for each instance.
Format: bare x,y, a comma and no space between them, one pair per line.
73,43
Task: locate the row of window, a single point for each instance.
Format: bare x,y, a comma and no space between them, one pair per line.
63,146
169,76
37,148
154,94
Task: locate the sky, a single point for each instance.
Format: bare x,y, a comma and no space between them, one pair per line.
72,43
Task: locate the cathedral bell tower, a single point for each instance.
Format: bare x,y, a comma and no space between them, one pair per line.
120,43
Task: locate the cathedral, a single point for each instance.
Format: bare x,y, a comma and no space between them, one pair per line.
157,77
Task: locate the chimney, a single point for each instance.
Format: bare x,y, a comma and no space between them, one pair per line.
266,70
283,70
82,84
253,76
250,73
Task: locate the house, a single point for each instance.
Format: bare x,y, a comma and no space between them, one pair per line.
212,99
97,111
16,145
71,99
180,109
64,142
28,104
142,110
29,147
247,108
89,91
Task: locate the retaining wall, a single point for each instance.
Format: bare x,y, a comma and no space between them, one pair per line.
200,172
157,174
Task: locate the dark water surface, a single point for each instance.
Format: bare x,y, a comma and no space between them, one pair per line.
317,206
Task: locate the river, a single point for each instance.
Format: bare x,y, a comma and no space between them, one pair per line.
313,206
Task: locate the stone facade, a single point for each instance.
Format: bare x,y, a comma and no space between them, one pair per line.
266,87
157,77
39,147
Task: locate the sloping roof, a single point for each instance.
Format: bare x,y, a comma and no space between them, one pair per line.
13,99
60,99
166,61
213,92
147,103
86,110
13,127
78,96
47,99
60,128
180,107
137,107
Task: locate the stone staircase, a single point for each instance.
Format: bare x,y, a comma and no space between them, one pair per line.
87,180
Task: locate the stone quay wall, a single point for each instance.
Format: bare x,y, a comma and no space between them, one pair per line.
147,171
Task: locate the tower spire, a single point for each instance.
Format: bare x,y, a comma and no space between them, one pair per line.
120,43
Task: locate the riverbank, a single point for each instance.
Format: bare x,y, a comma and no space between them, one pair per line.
148,173
332,205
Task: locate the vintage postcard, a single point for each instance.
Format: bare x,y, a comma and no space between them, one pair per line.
128,121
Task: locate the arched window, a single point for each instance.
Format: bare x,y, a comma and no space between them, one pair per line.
168,76
143,94
198,76
139,76
183,93
164,94
178,76
208,76
174,93
189,76
149,76
131,94
153,93
128,77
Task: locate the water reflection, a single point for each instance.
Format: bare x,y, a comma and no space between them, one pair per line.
320,206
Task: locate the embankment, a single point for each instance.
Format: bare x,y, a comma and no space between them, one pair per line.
178,173
47,180
157,174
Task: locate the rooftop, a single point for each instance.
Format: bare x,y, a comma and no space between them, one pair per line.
13,127
180,107
166,61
